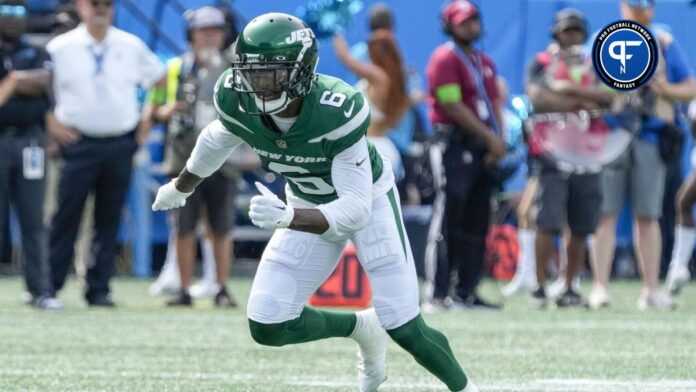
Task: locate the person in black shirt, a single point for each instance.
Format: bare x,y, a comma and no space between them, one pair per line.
24,80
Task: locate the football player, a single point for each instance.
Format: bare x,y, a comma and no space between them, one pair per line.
310,128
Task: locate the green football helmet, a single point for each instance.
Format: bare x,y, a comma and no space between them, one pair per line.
275,61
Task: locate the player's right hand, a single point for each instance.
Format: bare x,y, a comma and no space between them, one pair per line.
169,197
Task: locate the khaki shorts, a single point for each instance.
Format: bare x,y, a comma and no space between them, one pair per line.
639,171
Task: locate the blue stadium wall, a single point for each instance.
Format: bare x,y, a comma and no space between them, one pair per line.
514,29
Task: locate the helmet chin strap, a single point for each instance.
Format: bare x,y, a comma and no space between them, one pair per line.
274,106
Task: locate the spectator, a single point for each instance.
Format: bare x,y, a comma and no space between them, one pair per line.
187,108
684,233
402,134
65,19
25,81
383,84
465,108
672,82
96,70
560,80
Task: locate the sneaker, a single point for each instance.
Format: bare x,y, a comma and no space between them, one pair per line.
475,302
472,302
538,299
223,299
183,299
435,305
599,298
677,276
101,301
204,289
557,288
570,298
168,282
519,285
656,299
373,342
47,303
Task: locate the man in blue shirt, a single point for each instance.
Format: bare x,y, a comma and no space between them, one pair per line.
642,170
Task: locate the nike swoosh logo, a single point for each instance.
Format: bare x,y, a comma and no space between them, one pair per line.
360,163
280,208
350,111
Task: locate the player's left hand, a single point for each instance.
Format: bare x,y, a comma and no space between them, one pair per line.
267,211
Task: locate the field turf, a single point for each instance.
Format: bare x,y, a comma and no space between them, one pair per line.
143,346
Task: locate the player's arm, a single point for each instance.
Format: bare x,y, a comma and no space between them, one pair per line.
213,146
351,174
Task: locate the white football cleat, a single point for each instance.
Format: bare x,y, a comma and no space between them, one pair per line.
656,299
519,285
373,342
204,289
599,298
677,276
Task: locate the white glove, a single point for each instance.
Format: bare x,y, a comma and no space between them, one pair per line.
169,197
267,211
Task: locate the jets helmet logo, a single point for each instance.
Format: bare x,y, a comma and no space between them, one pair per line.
299,35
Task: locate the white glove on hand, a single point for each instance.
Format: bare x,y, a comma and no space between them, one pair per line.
169,197
267,211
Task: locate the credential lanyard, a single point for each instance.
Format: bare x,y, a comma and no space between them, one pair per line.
98,56
475,68
99,76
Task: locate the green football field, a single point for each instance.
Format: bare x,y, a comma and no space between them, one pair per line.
142,346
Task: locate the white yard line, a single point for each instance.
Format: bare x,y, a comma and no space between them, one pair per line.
541,385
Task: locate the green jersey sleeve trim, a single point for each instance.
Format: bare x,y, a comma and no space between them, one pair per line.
227,117
346,128
448,93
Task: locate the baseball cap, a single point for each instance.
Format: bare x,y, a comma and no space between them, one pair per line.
203,17
569,18
640,3
459,11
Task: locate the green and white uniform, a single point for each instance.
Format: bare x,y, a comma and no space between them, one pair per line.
334,116
329,165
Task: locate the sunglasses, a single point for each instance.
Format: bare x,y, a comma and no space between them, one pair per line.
16,11
97,3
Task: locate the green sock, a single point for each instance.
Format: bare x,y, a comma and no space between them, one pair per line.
431,350
313,324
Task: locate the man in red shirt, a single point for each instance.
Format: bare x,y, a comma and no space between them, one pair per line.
465,109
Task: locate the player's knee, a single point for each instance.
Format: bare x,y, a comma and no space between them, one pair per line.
267,334
409,335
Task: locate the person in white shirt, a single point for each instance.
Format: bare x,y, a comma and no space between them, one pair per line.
97,69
